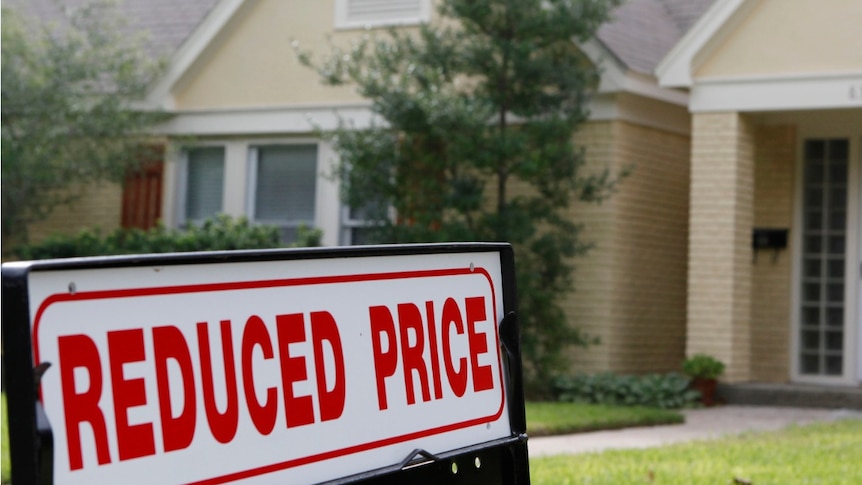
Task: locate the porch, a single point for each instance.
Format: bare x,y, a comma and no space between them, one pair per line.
792,395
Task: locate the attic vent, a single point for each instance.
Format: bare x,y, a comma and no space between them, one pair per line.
373,13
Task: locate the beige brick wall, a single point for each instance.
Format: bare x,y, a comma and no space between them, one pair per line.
720,222
101,207
630,288
774,169
590,306
650,246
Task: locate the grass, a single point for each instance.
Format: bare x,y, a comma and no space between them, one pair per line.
822,453
549,418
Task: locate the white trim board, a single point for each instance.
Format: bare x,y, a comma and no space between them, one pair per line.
795,92
251,121
309,119
676,67
616,78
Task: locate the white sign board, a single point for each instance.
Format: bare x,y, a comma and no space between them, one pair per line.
290,371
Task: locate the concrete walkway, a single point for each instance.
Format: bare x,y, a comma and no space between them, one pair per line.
700,424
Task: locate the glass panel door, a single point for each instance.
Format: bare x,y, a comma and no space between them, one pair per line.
824,236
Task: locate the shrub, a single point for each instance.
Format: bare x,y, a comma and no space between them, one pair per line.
218,233
664,391
702,366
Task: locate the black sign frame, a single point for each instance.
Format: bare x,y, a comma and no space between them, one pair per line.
499,462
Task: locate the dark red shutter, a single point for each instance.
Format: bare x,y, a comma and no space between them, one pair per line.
142,196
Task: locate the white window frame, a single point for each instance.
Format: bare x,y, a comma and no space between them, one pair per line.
182,178
342,20
348,224
251,186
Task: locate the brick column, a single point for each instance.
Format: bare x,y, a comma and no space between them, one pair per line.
719,254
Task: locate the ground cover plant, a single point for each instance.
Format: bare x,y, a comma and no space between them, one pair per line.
823,453
664,391
550,418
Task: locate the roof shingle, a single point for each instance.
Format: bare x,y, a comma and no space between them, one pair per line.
640,34
643,31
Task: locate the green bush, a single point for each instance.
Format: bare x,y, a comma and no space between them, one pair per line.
218,233
703,366
664,391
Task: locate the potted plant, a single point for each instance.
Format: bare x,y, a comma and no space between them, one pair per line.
704,371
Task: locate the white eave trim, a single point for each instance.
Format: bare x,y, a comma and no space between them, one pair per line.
676,67
617,78
190,50
306,119
770,93
263,120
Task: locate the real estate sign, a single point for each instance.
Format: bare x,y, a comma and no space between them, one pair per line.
293,367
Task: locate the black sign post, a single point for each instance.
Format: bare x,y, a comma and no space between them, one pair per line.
33,295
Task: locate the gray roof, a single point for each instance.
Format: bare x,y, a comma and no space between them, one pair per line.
640,34
167,23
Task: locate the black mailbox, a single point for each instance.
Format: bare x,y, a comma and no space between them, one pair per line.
769,238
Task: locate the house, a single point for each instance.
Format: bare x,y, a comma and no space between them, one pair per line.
741,118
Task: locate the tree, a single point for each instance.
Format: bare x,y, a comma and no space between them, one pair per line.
479,112
67,118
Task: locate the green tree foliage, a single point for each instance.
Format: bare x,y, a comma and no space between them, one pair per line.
478,112
67,91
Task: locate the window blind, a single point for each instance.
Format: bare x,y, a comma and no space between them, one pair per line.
204,182
286,184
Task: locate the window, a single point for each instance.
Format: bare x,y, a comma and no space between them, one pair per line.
359,222
284,181
375,13
203,183
354,226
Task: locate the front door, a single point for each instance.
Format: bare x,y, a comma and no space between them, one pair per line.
830,330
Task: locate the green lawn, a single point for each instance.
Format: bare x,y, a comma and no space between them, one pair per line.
547,418
823,454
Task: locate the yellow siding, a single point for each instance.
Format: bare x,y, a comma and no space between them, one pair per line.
101,207
774,163
721,218
252,63
791,37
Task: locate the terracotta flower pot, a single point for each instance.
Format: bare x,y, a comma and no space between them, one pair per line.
706,388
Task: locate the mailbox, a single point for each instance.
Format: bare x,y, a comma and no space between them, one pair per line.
768,238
